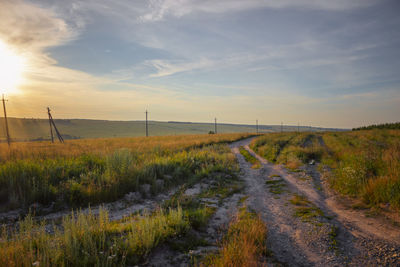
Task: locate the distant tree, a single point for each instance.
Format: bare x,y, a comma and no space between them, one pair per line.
391,126
211,132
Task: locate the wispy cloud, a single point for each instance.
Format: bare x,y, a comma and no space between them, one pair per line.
166,68
160,9
29,26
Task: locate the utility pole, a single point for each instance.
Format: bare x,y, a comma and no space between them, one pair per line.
298,127
5,120
281,127
52,123
51,128
215,125
147,126
257,126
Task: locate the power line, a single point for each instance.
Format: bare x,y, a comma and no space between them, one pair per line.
51,128
51,122
257,126
5,120
147,126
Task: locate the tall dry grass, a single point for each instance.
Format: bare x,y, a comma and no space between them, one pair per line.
105,146
244,243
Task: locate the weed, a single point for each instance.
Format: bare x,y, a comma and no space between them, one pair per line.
250,158
243,200
187,242
274,175
333,233
308,213
306,210
199,217
300,200
276,186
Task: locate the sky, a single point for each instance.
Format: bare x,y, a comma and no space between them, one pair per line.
321,63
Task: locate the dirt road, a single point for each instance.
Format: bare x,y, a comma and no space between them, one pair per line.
319,232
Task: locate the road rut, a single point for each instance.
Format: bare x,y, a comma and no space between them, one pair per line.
336,237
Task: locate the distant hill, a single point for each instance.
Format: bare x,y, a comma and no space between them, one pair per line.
392,126
38,129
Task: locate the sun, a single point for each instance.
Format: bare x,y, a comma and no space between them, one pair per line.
11,69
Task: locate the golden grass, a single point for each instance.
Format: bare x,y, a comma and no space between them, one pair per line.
244,243
101,146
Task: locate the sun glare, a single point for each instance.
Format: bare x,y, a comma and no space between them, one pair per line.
11,69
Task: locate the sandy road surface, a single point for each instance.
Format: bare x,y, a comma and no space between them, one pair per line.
295,242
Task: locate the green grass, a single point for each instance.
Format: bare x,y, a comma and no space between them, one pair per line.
89,240
92,178
274,175
299,200
250,158
276,186
305,210
333,233
364,164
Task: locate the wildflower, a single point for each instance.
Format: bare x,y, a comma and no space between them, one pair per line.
36,263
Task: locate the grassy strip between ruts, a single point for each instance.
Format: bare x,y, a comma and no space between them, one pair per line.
244,243
250,158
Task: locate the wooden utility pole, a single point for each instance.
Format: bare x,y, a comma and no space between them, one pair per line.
51,128
52,123
298,127
5,120
147,126
215,125
281,127
257,126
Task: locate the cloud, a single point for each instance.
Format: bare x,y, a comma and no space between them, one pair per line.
166,67
28,26
160,9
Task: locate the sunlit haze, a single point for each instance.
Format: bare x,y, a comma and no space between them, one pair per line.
11,70
321,63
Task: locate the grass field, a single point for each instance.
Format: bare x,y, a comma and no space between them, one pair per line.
80,172
38,129
364,164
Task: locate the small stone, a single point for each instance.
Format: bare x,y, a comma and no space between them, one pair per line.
159,183
133,196
167,177
35,208
145,189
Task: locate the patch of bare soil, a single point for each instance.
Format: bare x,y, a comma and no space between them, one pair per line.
319,231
